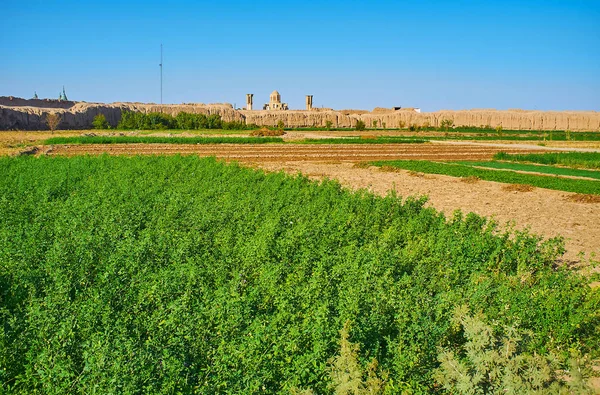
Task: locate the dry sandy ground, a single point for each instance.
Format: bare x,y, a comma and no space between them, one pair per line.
544,211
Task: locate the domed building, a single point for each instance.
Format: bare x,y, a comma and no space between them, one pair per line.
275,102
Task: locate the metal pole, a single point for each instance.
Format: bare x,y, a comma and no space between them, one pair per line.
161,73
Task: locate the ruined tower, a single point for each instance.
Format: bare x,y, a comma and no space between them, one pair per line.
308,102
249,101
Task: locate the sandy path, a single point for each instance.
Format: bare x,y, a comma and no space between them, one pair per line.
544,211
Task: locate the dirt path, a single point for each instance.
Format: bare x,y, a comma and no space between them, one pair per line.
546,212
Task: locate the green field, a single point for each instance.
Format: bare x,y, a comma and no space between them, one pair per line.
586,160
511,177
160,140
359,140
186,275
546,169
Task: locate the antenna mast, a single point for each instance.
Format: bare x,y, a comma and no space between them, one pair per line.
161,72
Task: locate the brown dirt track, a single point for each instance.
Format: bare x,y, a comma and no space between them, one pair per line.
295,152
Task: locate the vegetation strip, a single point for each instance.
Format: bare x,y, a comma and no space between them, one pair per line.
511,177
160,140
587,160
553,170
358,140
173,274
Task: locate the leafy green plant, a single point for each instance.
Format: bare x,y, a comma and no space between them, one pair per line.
328,125
374,124
496,361
180,274
100,122
360,125
280,125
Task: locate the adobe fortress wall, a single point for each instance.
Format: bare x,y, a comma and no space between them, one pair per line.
22,114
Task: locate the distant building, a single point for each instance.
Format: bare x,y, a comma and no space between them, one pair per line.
63,95
35,96
418,110
275,102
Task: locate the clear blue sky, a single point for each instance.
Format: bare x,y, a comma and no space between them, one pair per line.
349,54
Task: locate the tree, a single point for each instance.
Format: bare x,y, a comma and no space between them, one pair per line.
375,124
328,125
446,124
100,122
53,120
280,125
360,125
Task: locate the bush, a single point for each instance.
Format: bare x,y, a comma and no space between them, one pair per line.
360,125
446,124
100,122
328,125
53,120
496,361
185,121
280,125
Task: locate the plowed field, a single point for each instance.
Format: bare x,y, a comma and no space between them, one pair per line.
296,152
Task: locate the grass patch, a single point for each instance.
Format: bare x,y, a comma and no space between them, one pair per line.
546,169
510,177
369,140
586,160
160,140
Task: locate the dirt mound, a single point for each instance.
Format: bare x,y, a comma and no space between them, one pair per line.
583,198
262,132
518,188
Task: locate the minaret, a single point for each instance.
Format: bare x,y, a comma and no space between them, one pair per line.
64,95
35,96
249,101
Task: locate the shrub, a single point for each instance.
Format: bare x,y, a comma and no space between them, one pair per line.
53,120
374,124
280,125
384,125
100,122
496,361
446,124
328,125
414,127
360,125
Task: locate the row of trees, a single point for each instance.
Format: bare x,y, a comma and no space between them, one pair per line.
183,120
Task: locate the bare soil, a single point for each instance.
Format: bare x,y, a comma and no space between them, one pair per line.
545,212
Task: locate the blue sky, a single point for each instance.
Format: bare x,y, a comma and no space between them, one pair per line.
349,54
